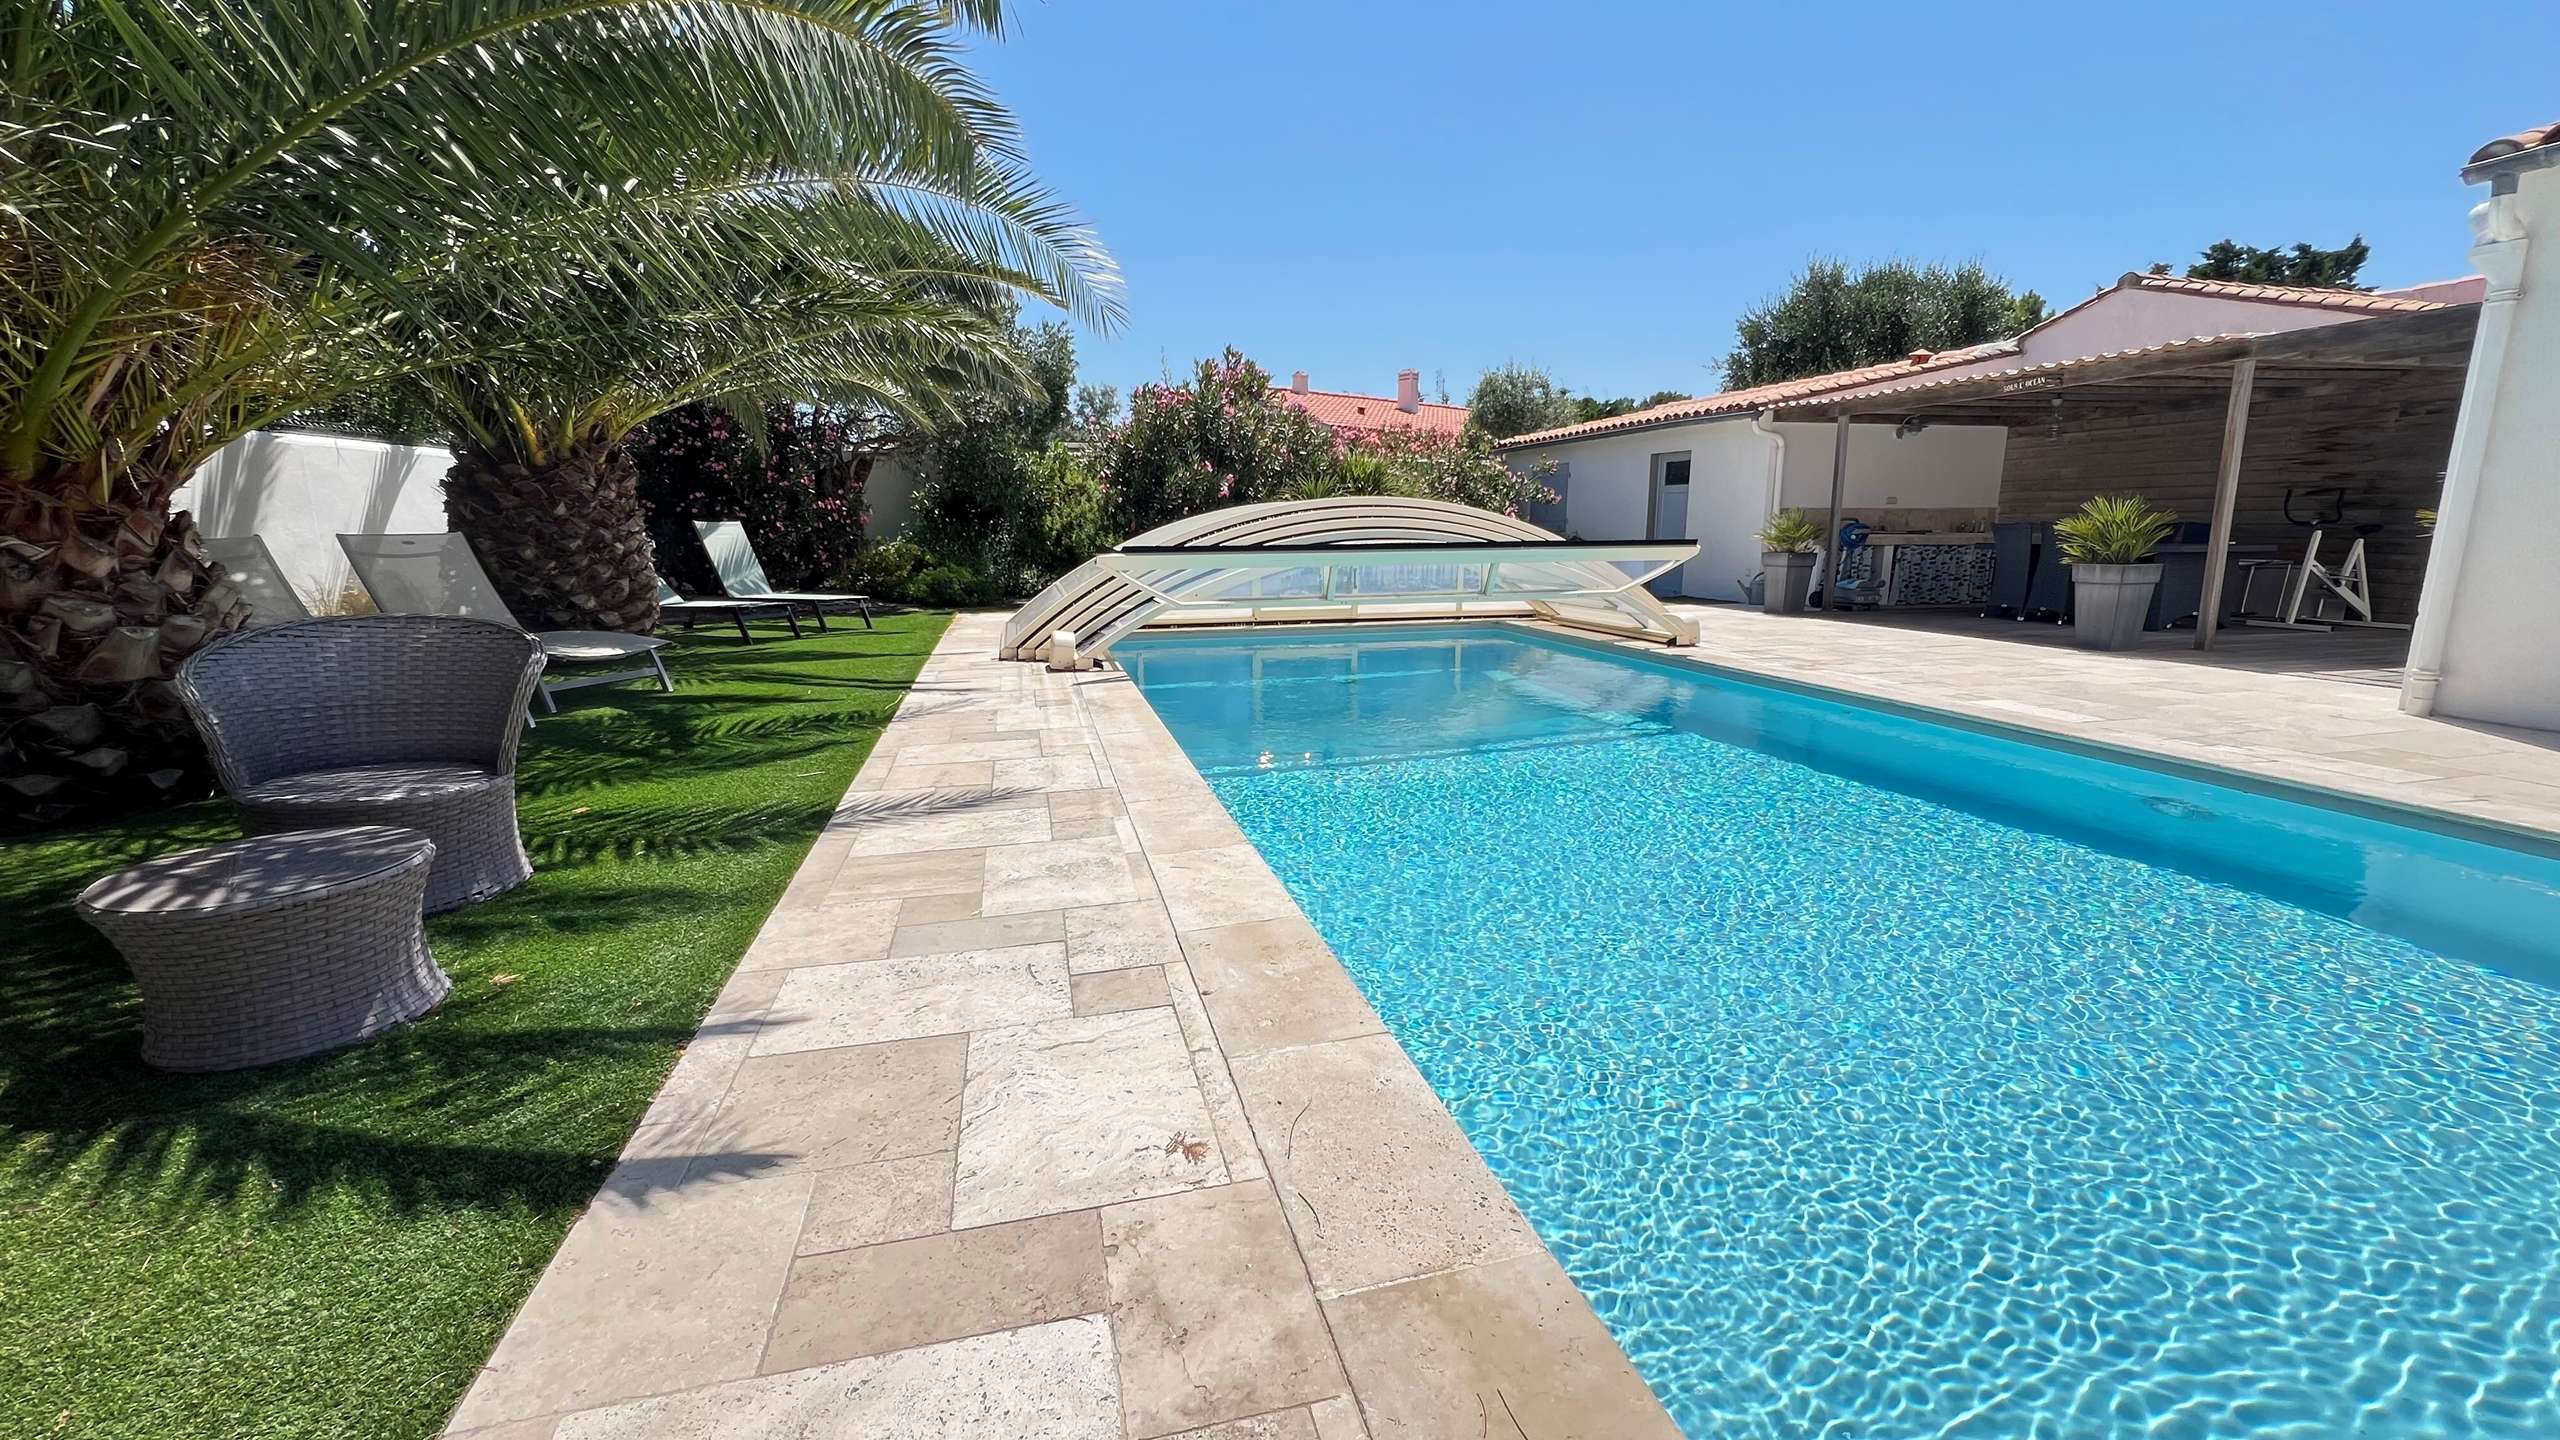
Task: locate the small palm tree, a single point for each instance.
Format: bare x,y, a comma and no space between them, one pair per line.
2113,530
214,213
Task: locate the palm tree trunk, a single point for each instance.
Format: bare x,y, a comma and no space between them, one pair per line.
566,543
100,601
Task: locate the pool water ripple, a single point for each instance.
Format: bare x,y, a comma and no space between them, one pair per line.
1856,1113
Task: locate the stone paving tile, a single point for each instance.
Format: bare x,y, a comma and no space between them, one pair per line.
1509,1348
1107,992
1057,875
831,1005
1120,937
880,1298
1274,983
1041,1382
960,752
1295,1423
936,909
1217,1086
952,830
1379,1182
897,877
1060,772
1085,805
1210,1311
1223,885
1067,1114
821,933
705,1267
885,1200
1339,1419
818,1109
991,932
1168,825
916,775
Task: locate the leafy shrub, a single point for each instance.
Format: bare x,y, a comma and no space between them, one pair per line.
2113,530
797,486
1222,438
1790,532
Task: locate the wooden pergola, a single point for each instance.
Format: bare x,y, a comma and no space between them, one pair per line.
2386,367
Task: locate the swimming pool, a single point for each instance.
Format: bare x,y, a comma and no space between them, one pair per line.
1878,1078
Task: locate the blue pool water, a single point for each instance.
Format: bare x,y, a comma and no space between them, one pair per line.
1880,1078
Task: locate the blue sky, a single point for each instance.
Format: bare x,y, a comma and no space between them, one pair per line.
1600,189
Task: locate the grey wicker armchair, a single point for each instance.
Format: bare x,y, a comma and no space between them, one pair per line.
408,720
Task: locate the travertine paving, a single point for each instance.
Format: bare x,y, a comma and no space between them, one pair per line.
2237,709
1038,1110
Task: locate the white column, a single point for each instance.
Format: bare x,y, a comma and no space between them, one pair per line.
2499,246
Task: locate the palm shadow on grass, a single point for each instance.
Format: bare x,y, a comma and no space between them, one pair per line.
150,1210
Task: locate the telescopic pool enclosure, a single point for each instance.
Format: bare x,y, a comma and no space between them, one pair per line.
1352,558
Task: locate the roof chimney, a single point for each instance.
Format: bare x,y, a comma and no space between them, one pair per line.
1409,391
1298,383
1920,357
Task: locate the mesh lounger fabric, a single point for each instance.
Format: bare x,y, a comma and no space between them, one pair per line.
741,573
439,575
246,559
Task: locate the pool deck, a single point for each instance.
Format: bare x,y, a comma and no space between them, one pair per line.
2315,710
1038,1109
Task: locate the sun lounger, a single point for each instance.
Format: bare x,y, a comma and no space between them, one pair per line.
253,570
736,612
440,575
742,574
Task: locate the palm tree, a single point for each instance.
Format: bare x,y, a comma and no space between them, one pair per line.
216,212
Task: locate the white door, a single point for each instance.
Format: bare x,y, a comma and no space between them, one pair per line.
1668,516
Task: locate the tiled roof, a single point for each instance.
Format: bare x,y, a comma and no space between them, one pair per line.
1760,397
2522,140
1345,411
2364,301
2049,367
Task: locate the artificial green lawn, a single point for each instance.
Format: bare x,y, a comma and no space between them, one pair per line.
330,1248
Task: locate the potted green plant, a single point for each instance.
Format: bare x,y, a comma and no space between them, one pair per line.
1788,544
2108,546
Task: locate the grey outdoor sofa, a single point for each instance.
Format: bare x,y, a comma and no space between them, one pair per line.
406,720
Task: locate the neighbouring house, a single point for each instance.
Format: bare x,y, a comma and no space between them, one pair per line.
1353,416
1713,469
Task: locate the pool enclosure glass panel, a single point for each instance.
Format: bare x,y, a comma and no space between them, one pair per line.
1364,557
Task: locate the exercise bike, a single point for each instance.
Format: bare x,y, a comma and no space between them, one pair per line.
2349,586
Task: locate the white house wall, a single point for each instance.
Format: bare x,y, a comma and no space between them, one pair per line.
2501,660
1944,467
301,491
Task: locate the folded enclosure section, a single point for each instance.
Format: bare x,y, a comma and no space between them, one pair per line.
1353,558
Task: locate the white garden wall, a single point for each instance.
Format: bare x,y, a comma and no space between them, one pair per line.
300,491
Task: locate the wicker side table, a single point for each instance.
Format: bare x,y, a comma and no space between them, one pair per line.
273,947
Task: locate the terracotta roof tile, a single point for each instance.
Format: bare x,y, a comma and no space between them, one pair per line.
2519,142
1760,397
2049,367
2364,301
1343,410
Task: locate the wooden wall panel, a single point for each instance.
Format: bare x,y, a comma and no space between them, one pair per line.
2385,437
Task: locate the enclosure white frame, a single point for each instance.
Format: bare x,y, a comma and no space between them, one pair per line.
1160,576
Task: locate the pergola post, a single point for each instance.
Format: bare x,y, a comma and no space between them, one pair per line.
1839,501
2226,498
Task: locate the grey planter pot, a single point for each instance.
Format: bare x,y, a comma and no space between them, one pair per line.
2108,603
1789,576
